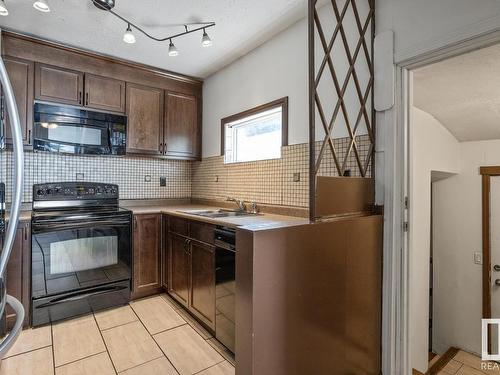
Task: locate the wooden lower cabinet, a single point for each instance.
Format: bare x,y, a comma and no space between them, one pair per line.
202,299
146,255
179,269
18,273
191,268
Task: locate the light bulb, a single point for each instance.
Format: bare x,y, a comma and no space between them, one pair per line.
3,8
172,50
205,40
42,5
128,37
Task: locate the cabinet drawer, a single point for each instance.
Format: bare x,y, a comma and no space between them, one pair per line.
178,225
202,232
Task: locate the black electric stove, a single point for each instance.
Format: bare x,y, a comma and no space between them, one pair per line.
81,250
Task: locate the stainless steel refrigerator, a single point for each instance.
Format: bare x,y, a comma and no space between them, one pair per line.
10,209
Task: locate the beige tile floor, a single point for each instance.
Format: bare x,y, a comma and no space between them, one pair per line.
469,364
149,336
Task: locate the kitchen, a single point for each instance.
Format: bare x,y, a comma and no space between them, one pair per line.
162,225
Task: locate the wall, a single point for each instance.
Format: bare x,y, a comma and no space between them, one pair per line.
457,228
279,68
432,148
127,172
270,181
425,25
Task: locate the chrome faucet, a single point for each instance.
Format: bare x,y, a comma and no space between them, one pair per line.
239,202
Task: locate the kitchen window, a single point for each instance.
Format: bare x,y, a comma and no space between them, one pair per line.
256,134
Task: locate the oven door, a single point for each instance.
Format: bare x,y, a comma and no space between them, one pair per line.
71,135
69,257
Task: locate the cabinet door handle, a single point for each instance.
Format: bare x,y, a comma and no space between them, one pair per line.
29,136
80,97
135,222
87,98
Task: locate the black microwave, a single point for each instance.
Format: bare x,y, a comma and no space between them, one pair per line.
72,130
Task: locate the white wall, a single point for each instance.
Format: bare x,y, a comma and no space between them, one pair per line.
457,235
432,148
279,68
424,25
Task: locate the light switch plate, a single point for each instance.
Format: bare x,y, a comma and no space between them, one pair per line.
163,181
80,176
478,257
296,177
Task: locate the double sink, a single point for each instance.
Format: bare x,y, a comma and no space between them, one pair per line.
219,213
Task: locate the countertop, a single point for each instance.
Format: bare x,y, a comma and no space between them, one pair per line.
253,223
262,221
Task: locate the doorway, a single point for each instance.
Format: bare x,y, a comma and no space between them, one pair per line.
452,132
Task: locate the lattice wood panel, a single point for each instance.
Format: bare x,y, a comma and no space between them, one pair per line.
341,34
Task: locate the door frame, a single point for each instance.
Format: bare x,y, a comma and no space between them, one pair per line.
396,296
486,174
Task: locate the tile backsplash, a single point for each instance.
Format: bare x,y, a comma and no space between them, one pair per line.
283,181
130,173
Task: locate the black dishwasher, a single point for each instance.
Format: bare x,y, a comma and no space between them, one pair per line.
225,251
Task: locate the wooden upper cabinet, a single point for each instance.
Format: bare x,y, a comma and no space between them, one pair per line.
104,93
182,129
147,248
21,75
145,120
58,85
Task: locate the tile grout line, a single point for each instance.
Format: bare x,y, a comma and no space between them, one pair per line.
104,342
153,338
80,359
209,367
28,351
52,348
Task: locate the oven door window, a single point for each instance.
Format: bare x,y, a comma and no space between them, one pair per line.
70,259
83,254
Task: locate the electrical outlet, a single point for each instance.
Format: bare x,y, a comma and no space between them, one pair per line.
163,181
478,257
296,177
147,178
80,176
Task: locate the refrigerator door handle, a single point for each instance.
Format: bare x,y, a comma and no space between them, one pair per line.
17,183
11,337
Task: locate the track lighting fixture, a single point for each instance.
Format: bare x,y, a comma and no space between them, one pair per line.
172,50
3,8
42,5
205,39
128,37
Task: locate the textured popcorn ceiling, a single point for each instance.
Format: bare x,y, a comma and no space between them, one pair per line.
463,93
242,25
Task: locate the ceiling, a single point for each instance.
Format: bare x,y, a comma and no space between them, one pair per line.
463,93
241,26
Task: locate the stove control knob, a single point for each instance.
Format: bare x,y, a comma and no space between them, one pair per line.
49,191
40,192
